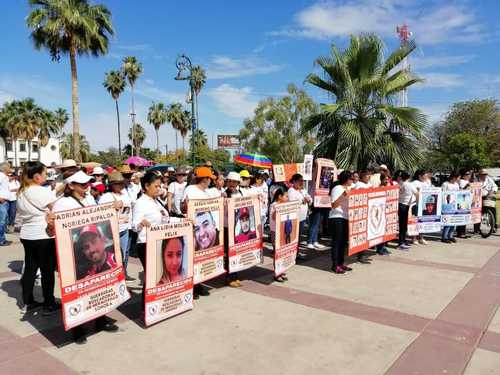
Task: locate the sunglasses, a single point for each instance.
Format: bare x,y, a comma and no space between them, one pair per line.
86,184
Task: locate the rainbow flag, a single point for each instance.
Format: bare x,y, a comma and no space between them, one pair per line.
253,160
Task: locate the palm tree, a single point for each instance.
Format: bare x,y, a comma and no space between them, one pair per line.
67,143
115,83
61,118
71,27
52,125
175,116
184,127
132,69
137,136
198,80
200,139
364,125
157,116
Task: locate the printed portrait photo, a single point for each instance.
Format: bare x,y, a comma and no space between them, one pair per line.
288,229
94,249
325,177
449,203
206,230
171,260
430,204
244,227
463,201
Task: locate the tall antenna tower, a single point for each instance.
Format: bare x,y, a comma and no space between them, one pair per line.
404,34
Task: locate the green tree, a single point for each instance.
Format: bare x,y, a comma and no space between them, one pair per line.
137,135
114,83
478,118
467,151
72,27
176,117
275,128
198,80
67,143
363,126
157,116
111,157
132,69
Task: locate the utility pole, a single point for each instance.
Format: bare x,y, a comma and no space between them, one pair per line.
166,150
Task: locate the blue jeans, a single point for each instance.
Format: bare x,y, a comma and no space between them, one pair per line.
124,247
12,212
448,232
4,215
315,222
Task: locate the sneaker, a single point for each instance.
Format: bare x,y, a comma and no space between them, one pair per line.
422,241
51,309
301,256
233,284
310,246
6,243
345,268
338,270
452,240
404,247
319,246
31,307
203,291
445,241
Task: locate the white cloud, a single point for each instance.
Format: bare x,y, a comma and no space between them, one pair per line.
441,80
425,62
442,23
147,89
223,67
233,101
434,112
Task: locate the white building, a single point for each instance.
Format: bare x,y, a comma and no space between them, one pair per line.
48,155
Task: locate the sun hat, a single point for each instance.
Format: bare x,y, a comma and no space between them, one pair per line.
68,163
245,174
483,172
201,172
208,163
233,176
125,169
98,170
115,177
79,177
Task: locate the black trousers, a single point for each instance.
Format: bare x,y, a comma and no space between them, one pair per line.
403,210
39,254
339,229
141,253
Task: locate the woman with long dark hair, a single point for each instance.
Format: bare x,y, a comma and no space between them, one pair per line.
339,221
34,201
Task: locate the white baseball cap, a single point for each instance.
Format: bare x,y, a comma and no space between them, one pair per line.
170,169
98,170
384,167
79,177
233,176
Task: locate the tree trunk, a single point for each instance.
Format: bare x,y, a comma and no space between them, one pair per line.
183,145
133,120
75,109
176,147
29,149
14,145
157,141
119,133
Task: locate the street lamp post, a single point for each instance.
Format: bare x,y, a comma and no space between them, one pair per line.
184,63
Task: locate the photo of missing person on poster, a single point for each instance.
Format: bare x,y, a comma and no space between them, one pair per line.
463,201
430,205
171,260
288,228
325,177
94,249
206,230
244,228
449,204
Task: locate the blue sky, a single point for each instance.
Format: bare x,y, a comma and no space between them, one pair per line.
251,50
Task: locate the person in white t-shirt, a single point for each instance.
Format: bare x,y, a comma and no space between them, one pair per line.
421,179
339,221
463,184
117,193
280,196
407,195
217,187
176,192
14,185
364,180
260,186
76,196
34,203
450,185
298,193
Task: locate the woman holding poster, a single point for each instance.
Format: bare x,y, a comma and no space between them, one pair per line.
298,193
280,196
148,210
339,221
76,196
450,185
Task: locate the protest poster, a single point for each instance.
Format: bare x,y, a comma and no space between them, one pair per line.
373,217
169,271
207,216
324,172
429,210
412,229
308,167
456,207
244,233
91,274
286,241
284,172
477,202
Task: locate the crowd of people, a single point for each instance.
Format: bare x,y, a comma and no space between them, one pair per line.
144,198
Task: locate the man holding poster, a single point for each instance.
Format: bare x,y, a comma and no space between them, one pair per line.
169,271
207,216
91,274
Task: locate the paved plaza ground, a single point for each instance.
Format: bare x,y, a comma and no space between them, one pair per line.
432,310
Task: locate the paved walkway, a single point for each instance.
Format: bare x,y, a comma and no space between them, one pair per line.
430,311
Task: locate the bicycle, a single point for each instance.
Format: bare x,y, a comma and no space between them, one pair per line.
487,225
